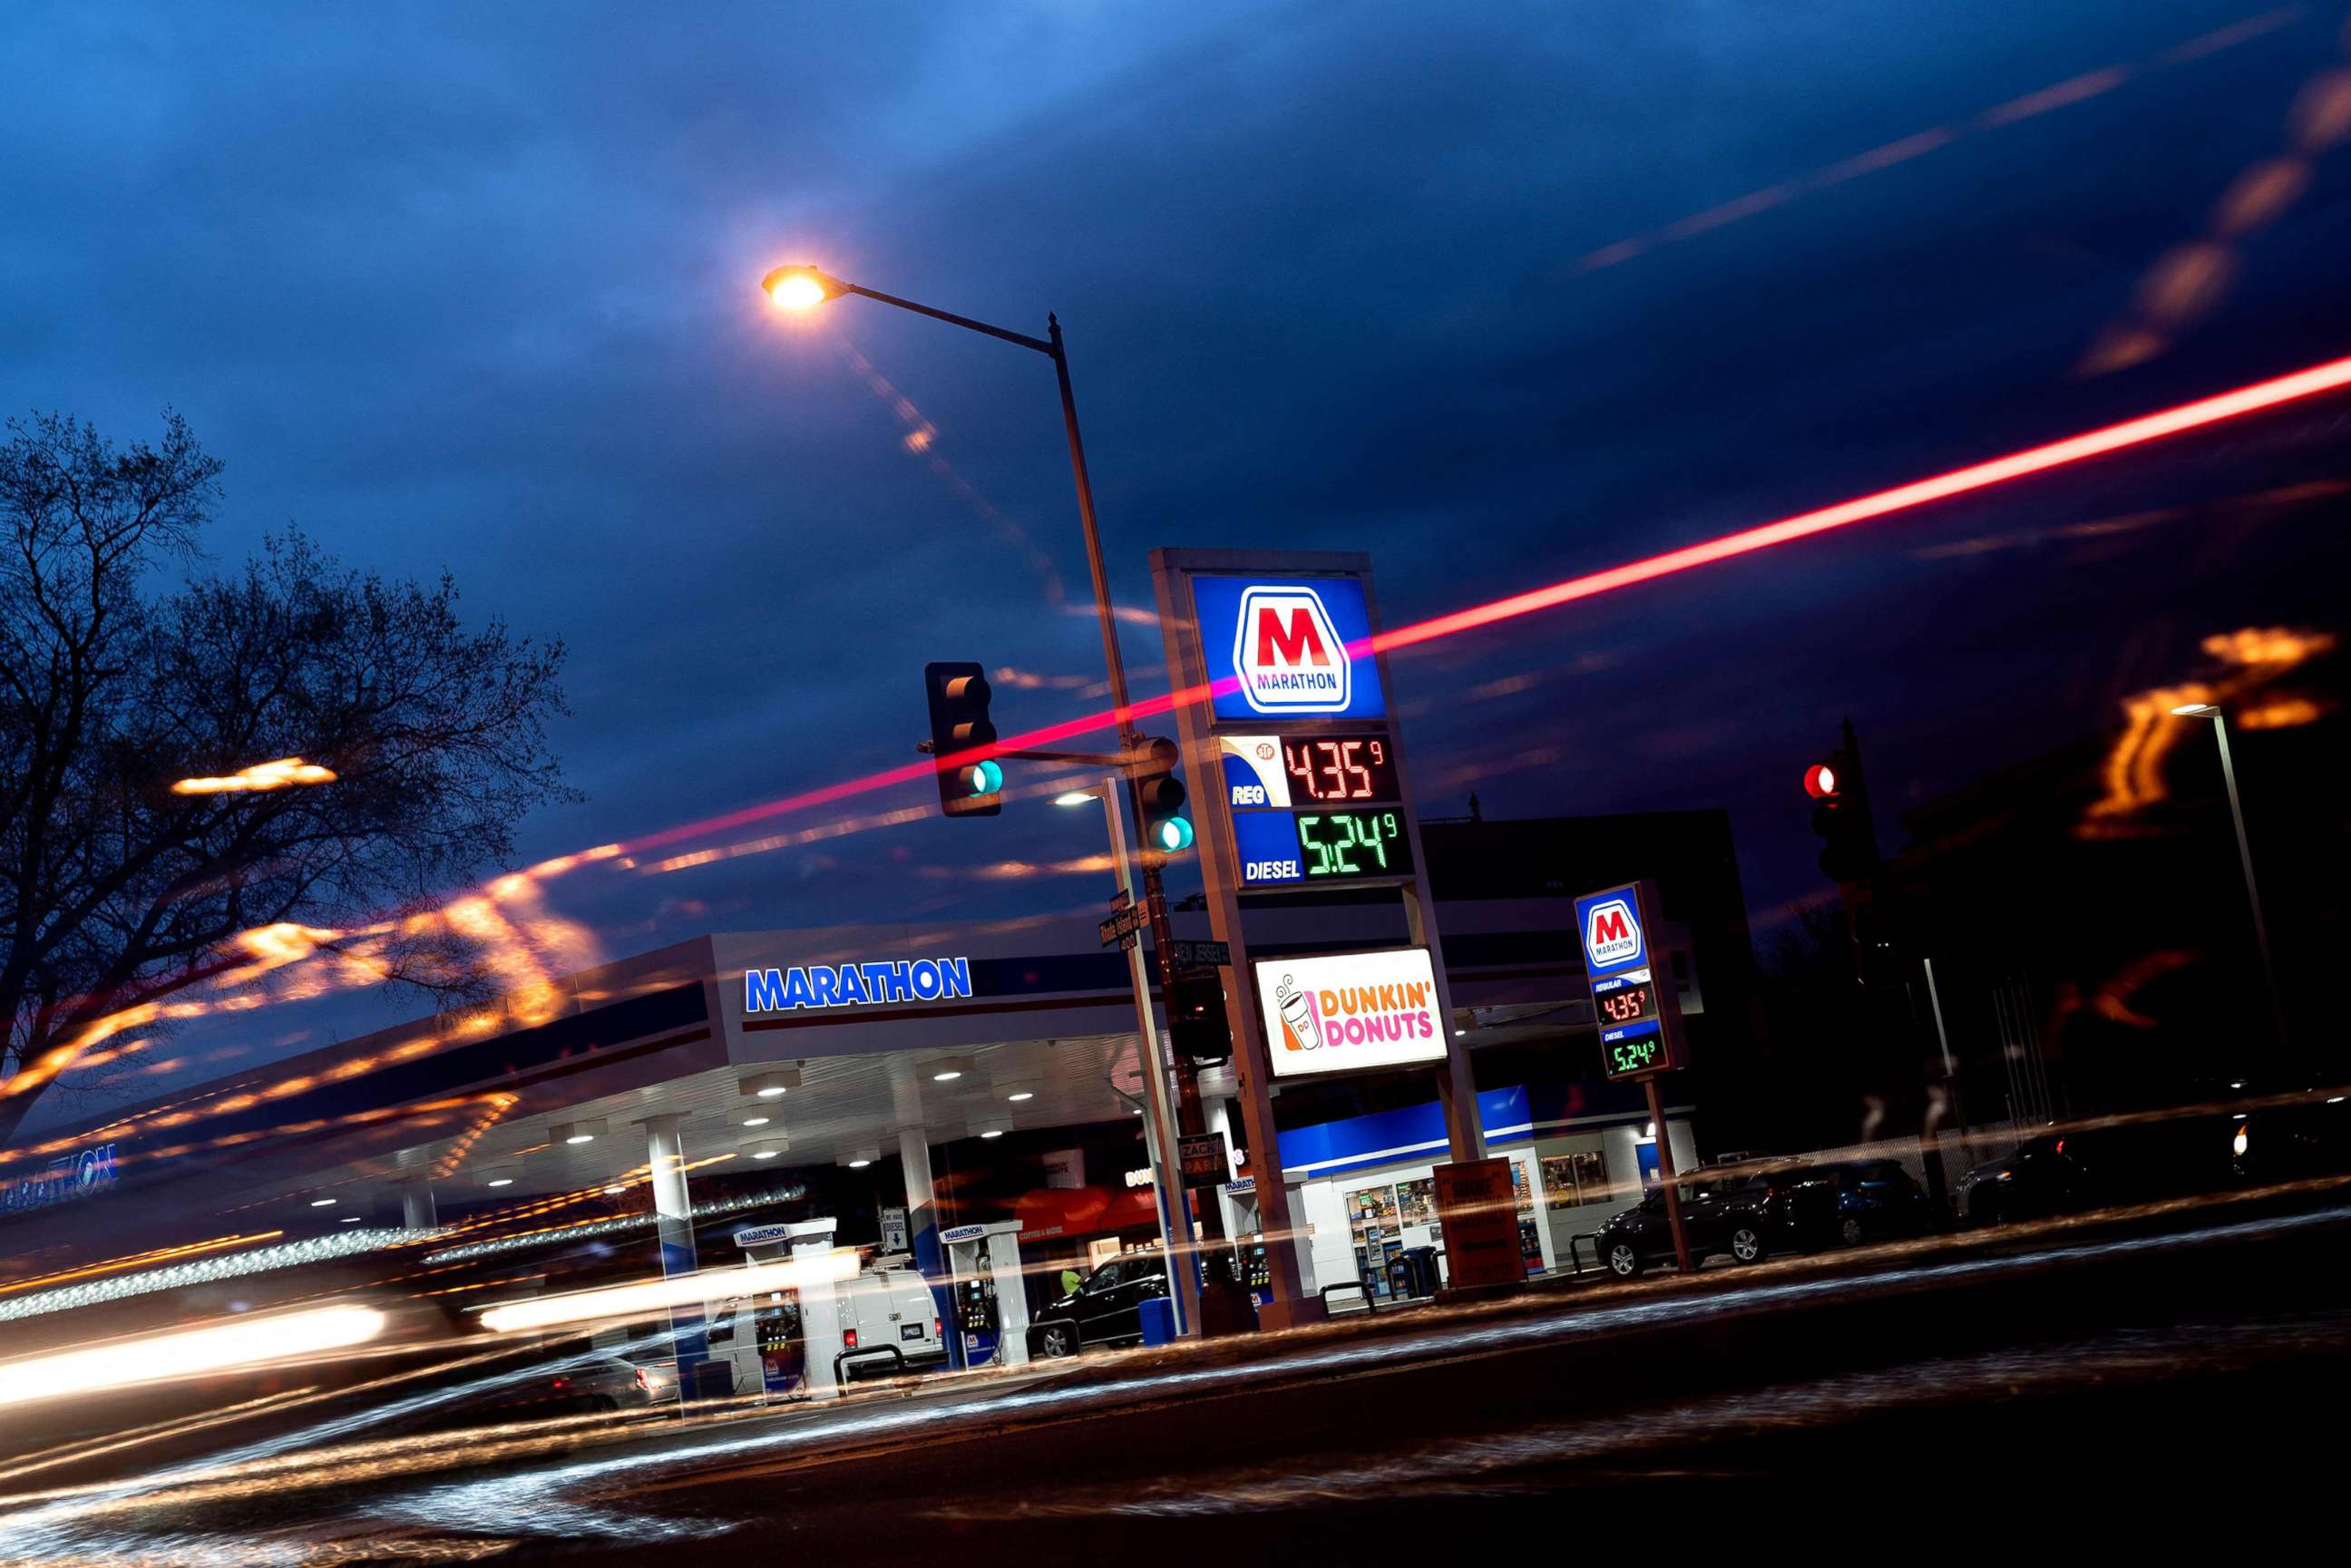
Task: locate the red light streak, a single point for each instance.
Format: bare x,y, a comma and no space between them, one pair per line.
2147,428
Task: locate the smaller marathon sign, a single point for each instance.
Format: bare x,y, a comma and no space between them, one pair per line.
855,985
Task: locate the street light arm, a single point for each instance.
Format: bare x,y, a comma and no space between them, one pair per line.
951,319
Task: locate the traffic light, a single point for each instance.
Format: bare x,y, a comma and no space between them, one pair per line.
1841,812
958,697
1160,797
1195,1017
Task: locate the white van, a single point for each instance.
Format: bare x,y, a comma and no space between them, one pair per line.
888,1321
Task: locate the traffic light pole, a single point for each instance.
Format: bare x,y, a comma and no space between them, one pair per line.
1168,1170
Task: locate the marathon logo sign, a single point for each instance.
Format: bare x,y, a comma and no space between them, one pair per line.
70,1176
855,985
1288,653
1280,647
1613,934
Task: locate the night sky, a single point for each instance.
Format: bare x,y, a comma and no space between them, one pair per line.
1498,293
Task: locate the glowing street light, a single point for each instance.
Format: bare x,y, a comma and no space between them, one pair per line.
799,287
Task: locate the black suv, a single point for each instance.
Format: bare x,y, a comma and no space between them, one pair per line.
1747,1212
1107,1308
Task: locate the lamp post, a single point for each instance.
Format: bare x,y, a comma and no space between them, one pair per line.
805,287
2244,854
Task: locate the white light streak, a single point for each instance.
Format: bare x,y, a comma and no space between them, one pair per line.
686,1290
155,1358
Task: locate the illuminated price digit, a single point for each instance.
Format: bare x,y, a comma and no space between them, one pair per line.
1330,765
1321,852
1298,760
1363,789
1347,839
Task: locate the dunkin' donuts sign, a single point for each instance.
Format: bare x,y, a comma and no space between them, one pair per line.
1349,1011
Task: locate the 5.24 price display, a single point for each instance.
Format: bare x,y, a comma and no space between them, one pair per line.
1344,845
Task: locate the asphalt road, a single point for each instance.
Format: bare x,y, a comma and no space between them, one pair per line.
2150,1382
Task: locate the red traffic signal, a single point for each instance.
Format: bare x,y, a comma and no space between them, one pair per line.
1821,781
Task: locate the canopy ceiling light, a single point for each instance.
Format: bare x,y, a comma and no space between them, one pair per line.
858,1159
947,1068
769,1083
765,1148
584,1130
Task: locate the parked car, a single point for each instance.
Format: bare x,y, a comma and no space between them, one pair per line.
1105,1309
1753,1211
1878,1200
886,1317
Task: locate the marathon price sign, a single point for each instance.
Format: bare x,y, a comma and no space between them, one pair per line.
1634,1003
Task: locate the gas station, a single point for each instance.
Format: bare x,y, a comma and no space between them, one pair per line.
970,1109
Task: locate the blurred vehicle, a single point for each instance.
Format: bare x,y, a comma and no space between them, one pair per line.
1878,1200
1106,1309
567,1378
2139,1161
2292,1142
2041,1178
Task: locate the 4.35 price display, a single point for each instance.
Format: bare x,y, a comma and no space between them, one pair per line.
1341,845
1339,769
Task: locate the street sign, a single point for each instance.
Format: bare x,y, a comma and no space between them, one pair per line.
1634,1002
1202,1156
1121,929
1479,1207
1192,955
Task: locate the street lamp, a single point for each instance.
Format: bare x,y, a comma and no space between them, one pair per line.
802,287
2244,852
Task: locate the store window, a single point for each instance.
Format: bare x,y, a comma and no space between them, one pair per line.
1573,1180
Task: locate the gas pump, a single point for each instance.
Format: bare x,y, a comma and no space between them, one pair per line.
785,1340
991,1303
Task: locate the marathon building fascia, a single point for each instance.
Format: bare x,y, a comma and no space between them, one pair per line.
745,1000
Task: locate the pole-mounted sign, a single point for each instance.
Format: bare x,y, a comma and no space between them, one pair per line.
1637,1009
1297,758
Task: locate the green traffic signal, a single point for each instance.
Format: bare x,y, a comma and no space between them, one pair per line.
1174,833
985,778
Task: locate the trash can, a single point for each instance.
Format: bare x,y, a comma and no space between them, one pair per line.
1419,1265
1158,1321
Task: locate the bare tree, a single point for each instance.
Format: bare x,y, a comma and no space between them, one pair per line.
115,891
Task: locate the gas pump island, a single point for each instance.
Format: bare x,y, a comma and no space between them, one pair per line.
991,1303
1299,768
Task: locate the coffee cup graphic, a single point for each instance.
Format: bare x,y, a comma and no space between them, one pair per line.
1300,1031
